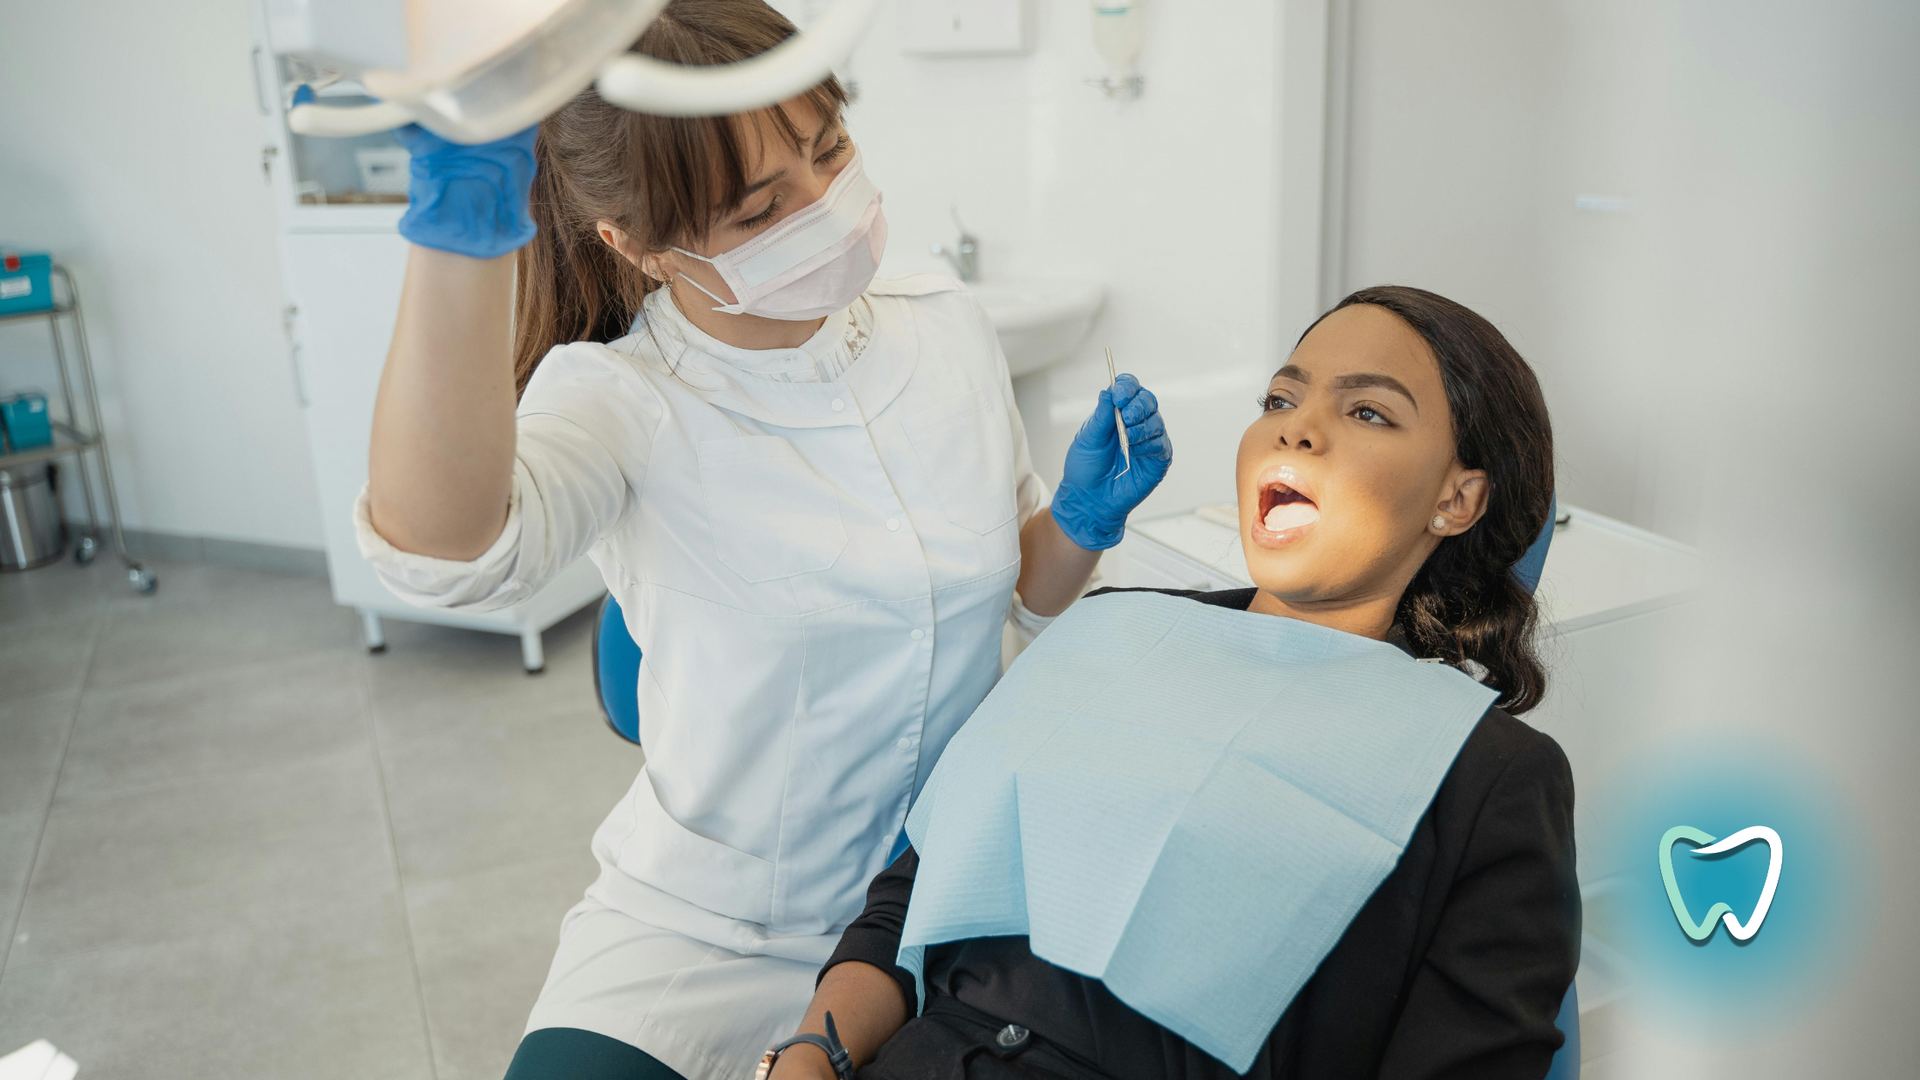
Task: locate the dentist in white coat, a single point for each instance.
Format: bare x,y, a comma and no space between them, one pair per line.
808,489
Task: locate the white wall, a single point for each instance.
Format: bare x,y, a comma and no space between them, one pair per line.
1476,125
1170,201
130,149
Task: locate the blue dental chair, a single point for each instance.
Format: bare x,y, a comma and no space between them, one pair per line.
616,671
616,680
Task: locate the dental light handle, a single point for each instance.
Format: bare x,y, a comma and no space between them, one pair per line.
644,84
459,94
630,80
346,121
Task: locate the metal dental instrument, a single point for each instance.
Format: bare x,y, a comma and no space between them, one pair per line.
1118,420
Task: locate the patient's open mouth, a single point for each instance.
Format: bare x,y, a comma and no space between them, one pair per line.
1282,508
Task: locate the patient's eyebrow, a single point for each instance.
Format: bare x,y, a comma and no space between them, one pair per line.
1295,372
1373,378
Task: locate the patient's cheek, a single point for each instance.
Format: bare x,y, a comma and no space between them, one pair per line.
1254,444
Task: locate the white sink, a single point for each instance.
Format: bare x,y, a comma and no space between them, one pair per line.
1039,322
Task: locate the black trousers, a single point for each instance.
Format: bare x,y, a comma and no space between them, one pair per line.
573,1054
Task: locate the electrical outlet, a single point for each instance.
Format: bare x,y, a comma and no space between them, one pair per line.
964,27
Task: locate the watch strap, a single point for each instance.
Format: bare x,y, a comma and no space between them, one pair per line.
837,1055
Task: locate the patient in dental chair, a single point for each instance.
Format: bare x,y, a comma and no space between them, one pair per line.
1285,831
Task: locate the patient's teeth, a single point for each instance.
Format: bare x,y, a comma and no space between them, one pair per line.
1291,516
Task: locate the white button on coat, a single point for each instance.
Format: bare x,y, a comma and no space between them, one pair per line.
743,524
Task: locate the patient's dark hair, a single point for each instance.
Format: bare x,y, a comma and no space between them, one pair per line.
1464,606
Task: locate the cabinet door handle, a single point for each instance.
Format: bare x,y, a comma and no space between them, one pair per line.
259,95
267,154
288,315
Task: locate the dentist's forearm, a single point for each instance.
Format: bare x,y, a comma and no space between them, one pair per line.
1054,570
440,470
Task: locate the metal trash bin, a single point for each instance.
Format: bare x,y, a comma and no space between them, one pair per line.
30,531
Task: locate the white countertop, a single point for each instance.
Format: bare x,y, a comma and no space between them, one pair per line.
1598,569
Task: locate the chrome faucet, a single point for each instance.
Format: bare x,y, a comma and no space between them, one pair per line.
964,255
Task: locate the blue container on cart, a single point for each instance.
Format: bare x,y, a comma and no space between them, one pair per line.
24,416
26,282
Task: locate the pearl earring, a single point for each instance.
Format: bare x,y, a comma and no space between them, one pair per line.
1439,523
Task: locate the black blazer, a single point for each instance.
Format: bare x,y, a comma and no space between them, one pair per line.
1455,967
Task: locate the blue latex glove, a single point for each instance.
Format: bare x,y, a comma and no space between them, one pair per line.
1093,502
470,200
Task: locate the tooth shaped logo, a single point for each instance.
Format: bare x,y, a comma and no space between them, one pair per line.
1706,844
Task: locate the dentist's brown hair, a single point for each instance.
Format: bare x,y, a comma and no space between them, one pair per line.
1465,606
662,180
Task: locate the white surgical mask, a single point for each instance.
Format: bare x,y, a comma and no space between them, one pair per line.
816,261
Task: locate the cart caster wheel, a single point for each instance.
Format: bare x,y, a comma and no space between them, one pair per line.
85,550
143,580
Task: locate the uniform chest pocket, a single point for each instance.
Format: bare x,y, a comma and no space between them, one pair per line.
772,516
965,447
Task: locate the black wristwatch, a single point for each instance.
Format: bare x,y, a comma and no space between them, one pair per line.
837,1055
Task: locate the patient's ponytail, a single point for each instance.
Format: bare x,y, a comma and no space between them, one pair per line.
662,180
1465,606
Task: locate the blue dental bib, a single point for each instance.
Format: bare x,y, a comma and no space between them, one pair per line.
1186,802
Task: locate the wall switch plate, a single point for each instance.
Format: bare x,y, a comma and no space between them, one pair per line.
964,27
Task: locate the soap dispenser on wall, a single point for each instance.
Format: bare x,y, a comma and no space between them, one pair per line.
1119,33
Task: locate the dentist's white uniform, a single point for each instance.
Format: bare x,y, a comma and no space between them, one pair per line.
816,550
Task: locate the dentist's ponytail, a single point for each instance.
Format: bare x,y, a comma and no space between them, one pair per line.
661,180
568,284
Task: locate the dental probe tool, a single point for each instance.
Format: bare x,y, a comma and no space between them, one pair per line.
1119,421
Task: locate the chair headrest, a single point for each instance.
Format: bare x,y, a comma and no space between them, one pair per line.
1527,570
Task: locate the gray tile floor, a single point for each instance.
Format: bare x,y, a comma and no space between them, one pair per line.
234,845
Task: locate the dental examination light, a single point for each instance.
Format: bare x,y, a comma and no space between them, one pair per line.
478,70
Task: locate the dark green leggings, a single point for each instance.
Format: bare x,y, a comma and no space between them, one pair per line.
573,1054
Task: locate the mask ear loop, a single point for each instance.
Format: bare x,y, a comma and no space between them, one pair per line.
724,308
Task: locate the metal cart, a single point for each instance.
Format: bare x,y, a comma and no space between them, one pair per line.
76,437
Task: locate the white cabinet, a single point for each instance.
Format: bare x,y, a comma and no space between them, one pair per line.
343,261
1195,550
344,288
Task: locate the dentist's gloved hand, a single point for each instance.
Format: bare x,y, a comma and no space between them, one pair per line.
1093,501
470,200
